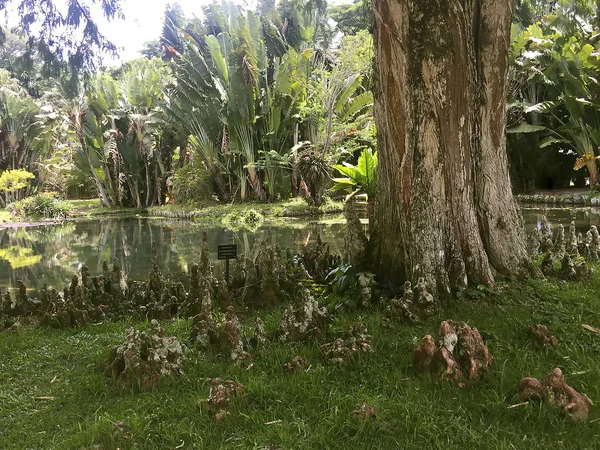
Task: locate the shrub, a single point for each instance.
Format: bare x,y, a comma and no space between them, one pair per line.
315,170
41,206
12,181
192,184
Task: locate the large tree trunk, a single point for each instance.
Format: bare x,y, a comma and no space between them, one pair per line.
445,209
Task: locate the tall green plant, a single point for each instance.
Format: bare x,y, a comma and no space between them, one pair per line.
23,138
554,83
117,125
359,179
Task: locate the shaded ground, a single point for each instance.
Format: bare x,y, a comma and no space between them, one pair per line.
53,392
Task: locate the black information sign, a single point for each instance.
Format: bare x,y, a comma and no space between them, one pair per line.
227,251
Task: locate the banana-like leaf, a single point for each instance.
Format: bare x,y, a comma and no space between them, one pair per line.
356,105
343,184
351,87
542,107
217,57
363,175
550,140
525,128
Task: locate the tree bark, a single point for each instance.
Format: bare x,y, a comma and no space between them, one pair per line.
445,209
220,186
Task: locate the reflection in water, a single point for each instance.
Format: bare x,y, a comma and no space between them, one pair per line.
583,217
52,254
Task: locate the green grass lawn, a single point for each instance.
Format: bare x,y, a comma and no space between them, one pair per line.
54,394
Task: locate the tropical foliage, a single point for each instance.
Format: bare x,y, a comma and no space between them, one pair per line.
260,102
191,184
12,182
554,91
23,138
40,206
359,179
251,93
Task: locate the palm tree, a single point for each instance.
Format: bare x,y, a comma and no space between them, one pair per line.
220,83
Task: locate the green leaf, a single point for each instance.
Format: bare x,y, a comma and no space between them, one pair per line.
358,103
525,128
351,87
363,175
550,140
542,107
217,57
343,184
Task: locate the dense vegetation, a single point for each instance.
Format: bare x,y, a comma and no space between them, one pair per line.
268,100
265,101
247,114
553,94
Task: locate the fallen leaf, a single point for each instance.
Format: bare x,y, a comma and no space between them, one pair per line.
517,404
273,422
591,328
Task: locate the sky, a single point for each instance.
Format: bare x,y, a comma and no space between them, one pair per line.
143,22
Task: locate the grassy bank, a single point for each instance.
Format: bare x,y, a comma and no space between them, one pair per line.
289,208
53,392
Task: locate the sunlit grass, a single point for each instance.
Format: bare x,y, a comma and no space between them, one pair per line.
53,392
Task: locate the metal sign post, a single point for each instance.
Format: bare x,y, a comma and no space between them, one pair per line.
227,252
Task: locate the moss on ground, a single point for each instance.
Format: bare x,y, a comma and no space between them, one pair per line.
54,394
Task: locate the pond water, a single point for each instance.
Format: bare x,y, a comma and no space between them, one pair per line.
52,254
583,217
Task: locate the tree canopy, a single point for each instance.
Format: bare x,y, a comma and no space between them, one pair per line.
63,35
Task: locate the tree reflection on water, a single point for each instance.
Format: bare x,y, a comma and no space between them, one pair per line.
52,254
